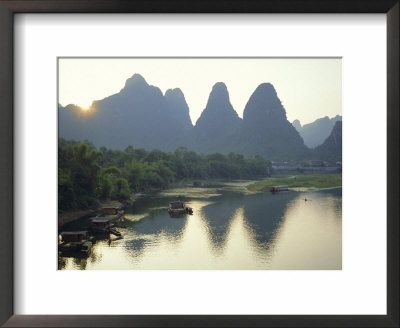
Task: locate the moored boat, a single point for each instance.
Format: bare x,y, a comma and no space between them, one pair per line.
100,224
74,236
103,226
75,242
279,188
179,208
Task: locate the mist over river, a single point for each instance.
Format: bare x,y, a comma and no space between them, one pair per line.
230,229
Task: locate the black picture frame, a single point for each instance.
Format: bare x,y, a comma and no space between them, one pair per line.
10,7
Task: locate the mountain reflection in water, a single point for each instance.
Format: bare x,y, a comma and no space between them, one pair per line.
229,229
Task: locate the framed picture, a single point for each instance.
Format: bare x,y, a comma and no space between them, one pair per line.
54,48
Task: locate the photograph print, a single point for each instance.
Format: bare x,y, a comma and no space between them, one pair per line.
199,163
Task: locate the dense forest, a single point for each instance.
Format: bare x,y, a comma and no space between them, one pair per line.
87,175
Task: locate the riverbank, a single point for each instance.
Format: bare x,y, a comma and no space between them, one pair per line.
198,183
310,181
69,216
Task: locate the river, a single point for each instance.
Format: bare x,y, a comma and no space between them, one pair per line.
230,229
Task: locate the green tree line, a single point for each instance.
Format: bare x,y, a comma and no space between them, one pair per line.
87,175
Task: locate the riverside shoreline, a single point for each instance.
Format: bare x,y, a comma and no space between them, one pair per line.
309,182
70,216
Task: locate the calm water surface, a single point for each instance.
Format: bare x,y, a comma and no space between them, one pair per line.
230,229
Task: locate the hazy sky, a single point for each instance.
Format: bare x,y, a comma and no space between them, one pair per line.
308,88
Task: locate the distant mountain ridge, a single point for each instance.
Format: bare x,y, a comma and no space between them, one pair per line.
141,116
331,149
315,133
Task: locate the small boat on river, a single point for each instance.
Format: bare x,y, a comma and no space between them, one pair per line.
100,224
74,236
103,225
179,208
76,242
279,188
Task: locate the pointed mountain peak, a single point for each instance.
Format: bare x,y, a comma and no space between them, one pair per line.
176,97
218,117
135,80
220,89
297,124
266,89
264,100
178,106
174,93
219,96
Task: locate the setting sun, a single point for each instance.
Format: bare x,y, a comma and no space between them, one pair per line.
86,108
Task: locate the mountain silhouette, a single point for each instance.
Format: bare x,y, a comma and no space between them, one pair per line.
217,124
315,133
141,116
331,149
266,130
179,108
